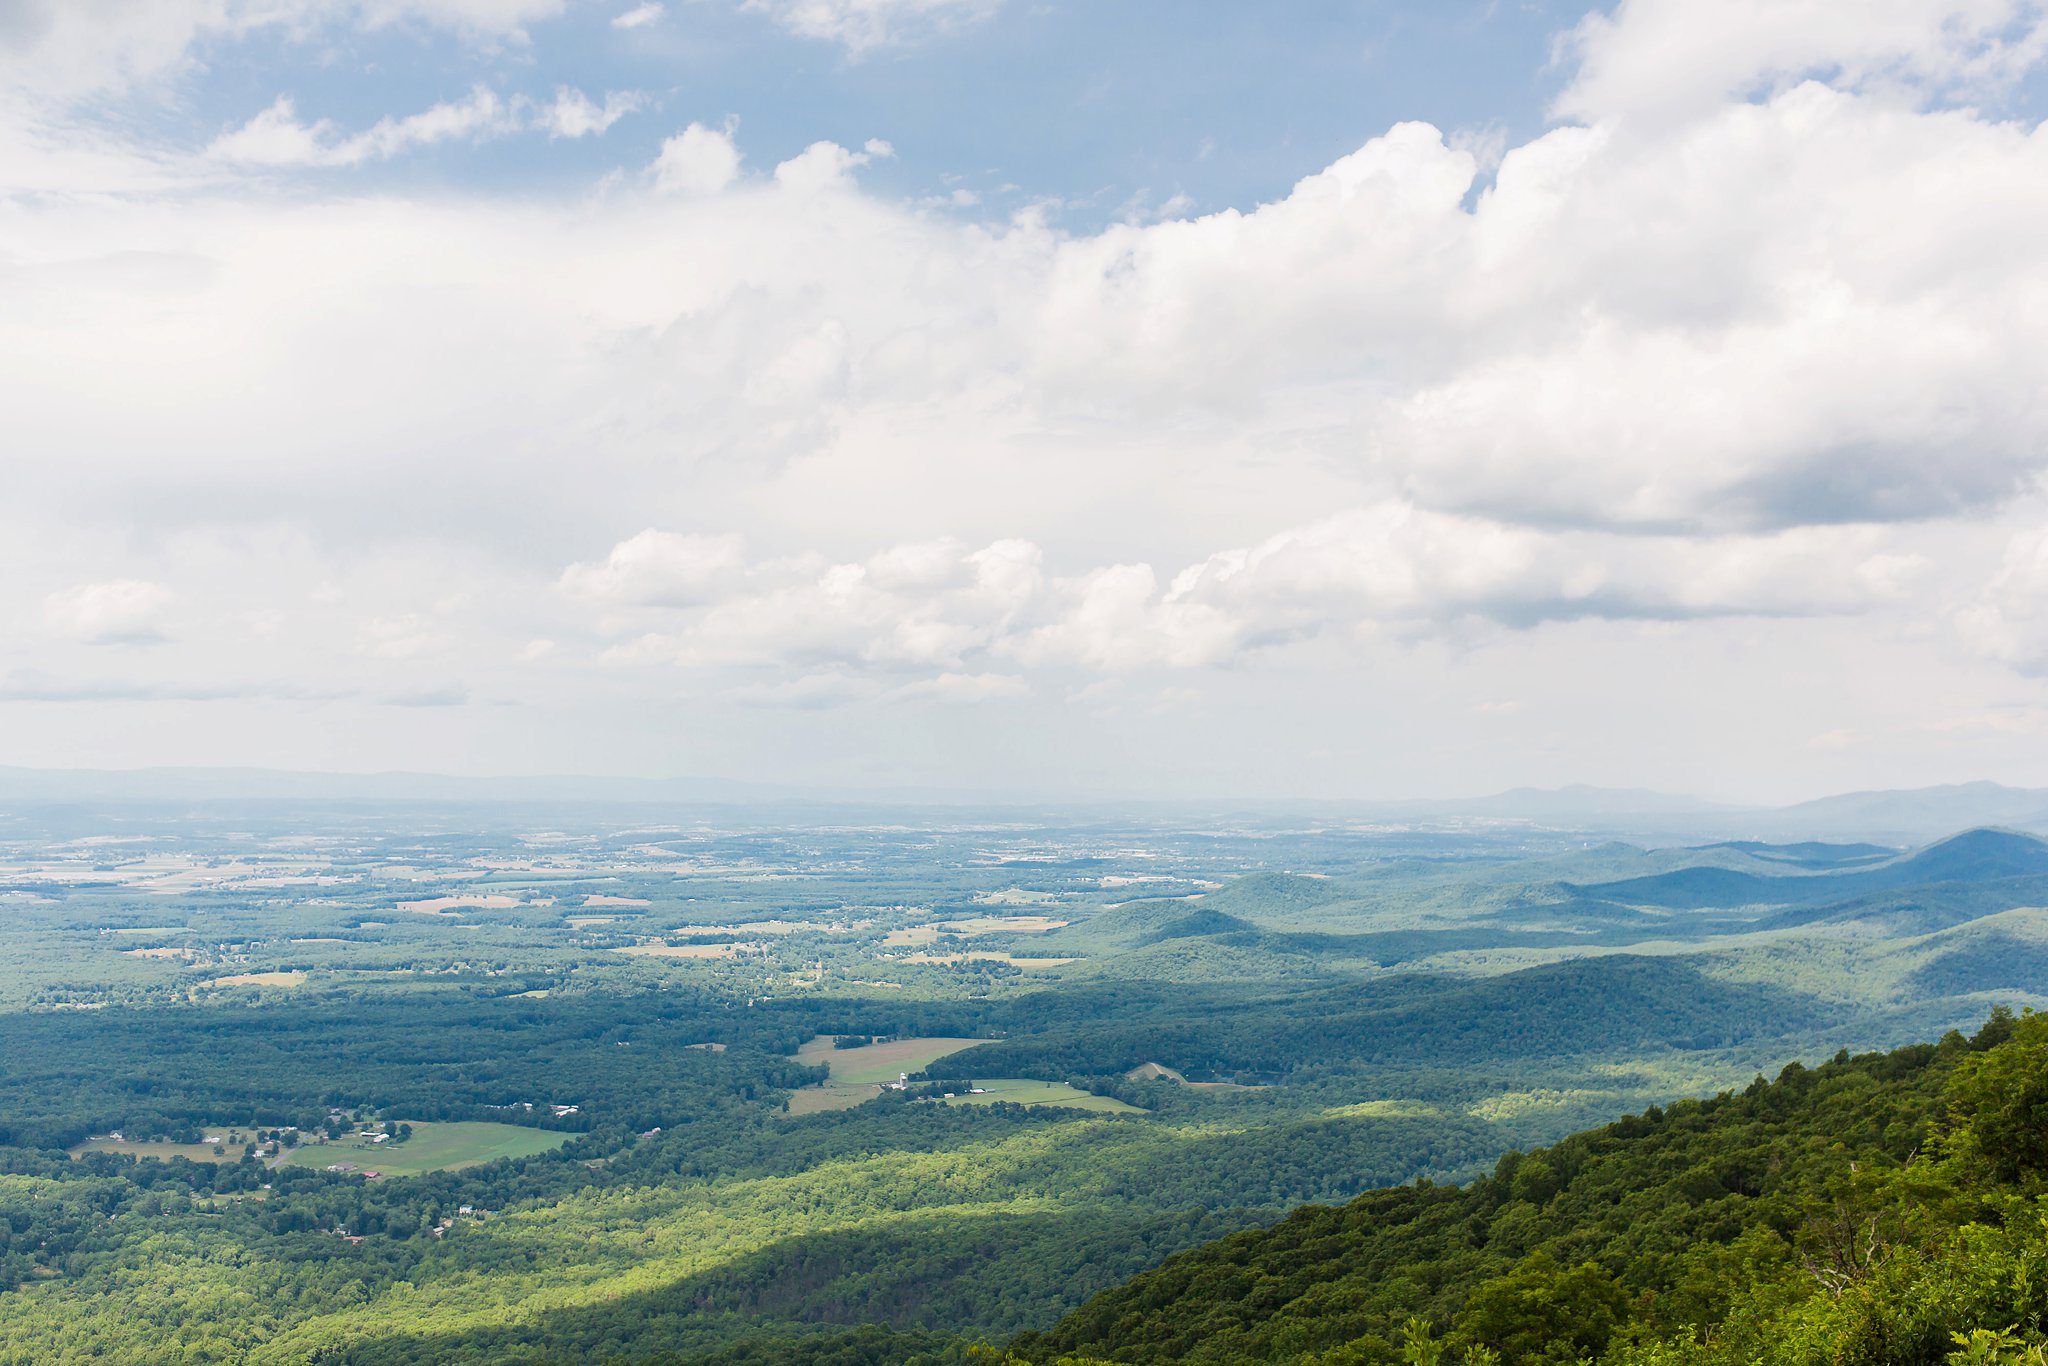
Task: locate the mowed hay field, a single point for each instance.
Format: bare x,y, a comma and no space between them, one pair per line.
877,1063
859,1073
260,979
1023,1091
433,1147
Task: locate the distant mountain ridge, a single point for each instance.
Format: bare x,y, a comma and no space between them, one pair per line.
1895,817
1973,856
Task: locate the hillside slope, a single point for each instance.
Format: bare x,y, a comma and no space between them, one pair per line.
1874,1210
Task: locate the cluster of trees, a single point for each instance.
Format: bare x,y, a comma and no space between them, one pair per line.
452,1055
1616,1003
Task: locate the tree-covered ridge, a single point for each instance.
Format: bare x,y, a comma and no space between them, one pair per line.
1883,1210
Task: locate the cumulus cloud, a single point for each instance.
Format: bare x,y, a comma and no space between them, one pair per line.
1756,358
828,166
698,160
64,49
658,568
1821,309
937,604
278,137
574,115
640,16
859,25
116,612
2008,621
1673,56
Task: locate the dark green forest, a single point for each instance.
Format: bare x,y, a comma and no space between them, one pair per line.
1886,1208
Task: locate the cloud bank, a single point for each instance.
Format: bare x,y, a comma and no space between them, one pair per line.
1754,333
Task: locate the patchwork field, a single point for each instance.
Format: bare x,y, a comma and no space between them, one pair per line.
433,1147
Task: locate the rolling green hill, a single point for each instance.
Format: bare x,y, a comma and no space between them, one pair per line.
1879,1209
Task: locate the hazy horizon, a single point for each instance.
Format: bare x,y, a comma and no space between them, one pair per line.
1929,811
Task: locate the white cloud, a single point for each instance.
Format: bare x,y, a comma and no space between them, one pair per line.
574,115
277,137
828,166
2008,621
936,604
1746,361
640,16
658,568
1669,57
859,25
70,48
698,160
116,612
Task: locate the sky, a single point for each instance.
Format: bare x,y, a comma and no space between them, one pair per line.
1084,398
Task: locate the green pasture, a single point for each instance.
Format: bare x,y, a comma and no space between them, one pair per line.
433,1147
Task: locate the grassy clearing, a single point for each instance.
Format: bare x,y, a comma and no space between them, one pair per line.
858,1074
880,1062
232,1139
451,905
1159,1071
1022,1091
812,1100
987,957
1385,1109
433,1147
260,979
1004,924
1015,896
679,950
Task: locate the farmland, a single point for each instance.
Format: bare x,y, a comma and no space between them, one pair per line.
433,1147
878,1063
1022,1091
231,1141
1319,1018
859,1074
260,979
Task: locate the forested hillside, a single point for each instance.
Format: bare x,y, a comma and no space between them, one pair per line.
1882,1210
